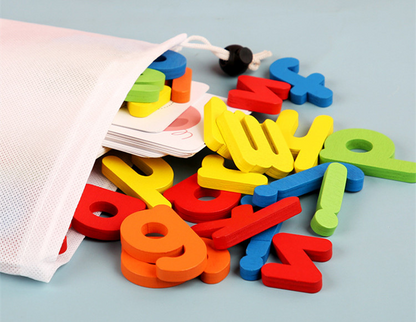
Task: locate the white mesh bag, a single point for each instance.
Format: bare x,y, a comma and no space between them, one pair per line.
59,91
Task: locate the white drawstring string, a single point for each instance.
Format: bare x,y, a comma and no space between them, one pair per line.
255,63
221,53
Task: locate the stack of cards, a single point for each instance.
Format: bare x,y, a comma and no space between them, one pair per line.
175,129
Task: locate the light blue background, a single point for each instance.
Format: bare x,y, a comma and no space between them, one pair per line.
366,50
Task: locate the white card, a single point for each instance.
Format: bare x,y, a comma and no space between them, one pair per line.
161,118
182,138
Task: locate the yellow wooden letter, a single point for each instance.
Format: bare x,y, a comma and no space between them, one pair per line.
214,175
149,187
305,149
145,109
212,135
283,159
254,147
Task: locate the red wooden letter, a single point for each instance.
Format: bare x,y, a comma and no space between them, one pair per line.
258,94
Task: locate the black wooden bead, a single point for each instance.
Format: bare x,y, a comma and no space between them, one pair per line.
237,64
